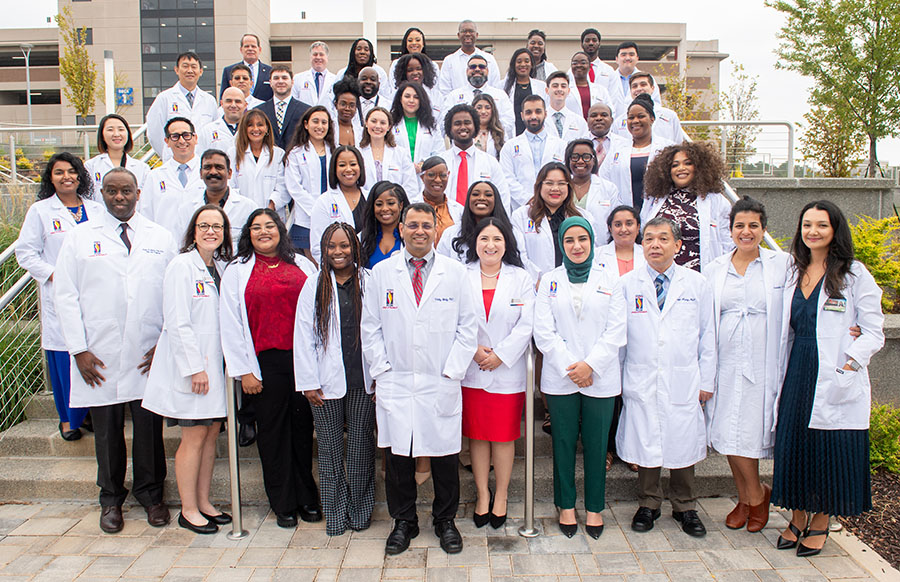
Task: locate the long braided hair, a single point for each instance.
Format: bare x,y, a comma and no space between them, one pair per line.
324,289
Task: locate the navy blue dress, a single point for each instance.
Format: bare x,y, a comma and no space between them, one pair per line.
821,471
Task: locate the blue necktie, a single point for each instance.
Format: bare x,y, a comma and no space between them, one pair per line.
182,174
318,83
660,283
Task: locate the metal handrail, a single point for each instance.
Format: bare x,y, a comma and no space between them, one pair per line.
14,291
528,530
788,124
733,197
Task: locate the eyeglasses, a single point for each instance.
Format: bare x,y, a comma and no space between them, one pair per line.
551,185
186,136
205,226
426,226
477,67
433,175
583,157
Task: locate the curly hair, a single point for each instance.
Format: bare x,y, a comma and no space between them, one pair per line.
424,114
85,183
429,79
709,170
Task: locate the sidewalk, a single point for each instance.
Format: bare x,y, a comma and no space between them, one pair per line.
60,542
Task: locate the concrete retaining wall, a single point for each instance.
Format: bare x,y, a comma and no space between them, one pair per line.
884,369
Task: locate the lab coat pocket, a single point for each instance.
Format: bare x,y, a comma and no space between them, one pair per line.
684,385
442,316
104,339
848,386
448,402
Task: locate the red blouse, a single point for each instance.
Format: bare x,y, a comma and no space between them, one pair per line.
487,296
271,299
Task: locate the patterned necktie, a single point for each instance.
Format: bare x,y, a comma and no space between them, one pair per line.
190,99
660,283
182,174
417,278
462,178
279,114
558,117
124,236
601,151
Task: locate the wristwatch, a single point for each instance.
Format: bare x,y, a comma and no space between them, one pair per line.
854,365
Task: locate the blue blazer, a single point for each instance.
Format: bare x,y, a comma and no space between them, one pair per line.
262,90
292,115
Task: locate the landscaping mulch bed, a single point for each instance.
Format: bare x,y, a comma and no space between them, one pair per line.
880,528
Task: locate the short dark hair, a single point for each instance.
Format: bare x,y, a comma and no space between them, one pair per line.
588,31
477,57
557,75
246,34
641,75
461,108
625,45
188,55
214,152
179,118
534,97
747,204
663,221
283,68
101,141
332,166
240,67
421,207
120,170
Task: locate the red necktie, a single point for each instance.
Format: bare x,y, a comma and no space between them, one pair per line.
462,179
591,73
417,278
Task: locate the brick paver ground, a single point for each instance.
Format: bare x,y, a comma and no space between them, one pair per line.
61,542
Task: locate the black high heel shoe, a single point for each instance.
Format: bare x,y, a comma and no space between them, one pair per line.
784,544
497,521
482,519
804,551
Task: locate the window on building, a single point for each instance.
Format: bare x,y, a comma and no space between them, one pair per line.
88,36
282,54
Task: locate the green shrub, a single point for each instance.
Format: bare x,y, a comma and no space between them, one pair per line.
884,438
877,246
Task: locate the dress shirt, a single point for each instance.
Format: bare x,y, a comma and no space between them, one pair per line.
537,141
426,268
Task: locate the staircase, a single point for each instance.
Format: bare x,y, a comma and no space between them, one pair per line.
39,466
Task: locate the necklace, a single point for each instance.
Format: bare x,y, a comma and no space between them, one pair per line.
275,266
494,276
78,215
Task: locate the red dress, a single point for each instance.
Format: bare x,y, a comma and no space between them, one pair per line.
488,416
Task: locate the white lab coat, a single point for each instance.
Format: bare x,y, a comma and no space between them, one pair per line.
593,336
843,398
602,197
713,211
574,125
237,342
605,256
40,238
667,125
466,95
330,207
669,358
490,146
258,180
445,245
453,71
163,193
599,94
317,367
215,135
429,142
616,167
237,208
538,88
302,181
99,165
109,302
536,241
507,332
622,98
518,165
396,167
355,122
721,420
418,354
304,88
481,167
172,103
190,343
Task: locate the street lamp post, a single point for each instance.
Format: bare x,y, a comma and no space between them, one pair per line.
26,50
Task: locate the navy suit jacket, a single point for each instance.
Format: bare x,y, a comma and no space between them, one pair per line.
292,115
262,90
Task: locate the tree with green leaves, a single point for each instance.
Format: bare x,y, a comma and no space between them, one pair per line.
689,103
832,139
740,102
851,49
76,66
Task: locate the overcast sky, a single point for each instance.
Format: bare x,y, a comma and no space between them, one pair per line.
746,31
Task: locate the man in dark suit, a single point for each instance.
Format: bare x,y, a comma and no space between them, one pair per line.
283,111
260,72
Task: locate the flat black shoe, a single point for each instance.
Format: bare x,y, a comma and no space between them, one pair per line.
690,523
247,434
595,531
221,519
88,424
643,519
398,541
451,540
568,529
311,513
69,435
785,544
207,528
286,520
806,552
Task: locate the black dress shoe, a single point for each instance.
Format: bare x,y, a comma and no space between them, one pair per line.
286,520
221,519
69,435
643,519
310,512
451,540
207,528
568,529
88,424
158,514
398,540
247,434
690,523
594,530
111,519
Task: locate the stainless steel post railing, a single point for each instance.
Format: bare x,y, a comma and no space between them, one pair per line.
237,518
528,530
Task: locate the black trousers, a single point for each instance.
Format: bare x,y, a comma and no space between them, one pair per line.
148,457
400,486
284,425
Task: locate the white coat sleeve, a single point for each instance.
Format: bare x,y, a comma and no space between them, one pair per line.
513,346
516,193
408,170
546,334
231,323
502,182
466,341
280,192
30,247
532,269
318,222
605,353
445,82
295,188
177,285
371,332
723,230
156,120
306,361
707,355
868,316
507,115
68,304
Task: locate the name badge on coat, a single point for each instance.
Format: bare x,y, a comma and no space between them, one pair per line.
839,305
